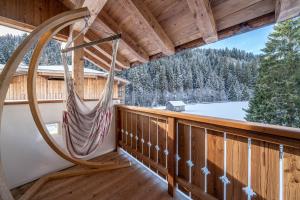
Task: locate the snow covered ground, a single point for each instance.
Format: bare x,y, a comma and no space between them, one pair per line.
227,110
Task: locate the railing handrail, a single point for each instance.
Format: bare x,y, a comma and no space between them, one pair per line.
276,130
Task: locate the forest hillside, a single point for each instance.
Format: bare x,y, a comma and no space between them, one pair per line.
198,75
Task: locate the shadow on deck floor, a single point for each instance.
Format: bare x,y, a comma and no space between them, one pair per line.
135,182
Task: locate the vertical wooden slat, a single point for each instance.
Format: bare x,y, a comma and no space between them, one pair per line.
153,138
133,130
264,170
146,135
171,160
118,126
183,150
237,165
139,132
291,176
162,142
123,126
129,114
215,163
198,157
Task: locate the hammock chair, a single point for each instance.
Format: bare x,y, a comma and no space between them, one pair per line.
102,113
85,128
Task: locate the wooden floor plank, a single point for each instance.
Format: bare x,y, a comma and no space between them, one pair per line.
135,182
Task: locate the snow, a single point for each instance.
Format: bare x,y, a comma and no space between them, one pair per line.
177,103
227,110
59,68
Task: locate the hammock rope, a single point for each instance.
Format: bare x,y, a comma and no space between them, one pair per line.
84,128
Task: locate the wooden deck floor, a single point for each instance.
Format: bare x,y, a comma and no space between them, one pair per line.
134,182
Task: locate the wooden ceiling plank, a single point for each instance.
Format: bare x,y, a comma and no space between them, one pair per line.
142,13
106,49
230,6
110,26
250,25
286,9
203,15
94,6
258,9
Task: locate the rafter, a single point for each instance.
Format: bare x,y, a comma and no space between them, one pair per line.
94,52
203,15
95,61
109,25
156,32
286,9
106,50
94,6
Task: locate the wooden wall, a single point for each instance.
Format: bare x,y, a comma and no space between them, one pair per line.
27,14
55,89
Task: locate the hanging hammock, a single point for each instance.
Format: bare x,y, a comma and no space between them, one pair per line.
85,128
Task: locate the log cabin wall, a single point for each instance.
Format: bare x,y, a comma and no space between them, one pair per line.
50,88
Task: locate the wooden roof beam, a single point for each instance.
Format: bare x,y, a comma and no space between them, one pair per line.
204,19
157,33
94,6
106,50
109,25
99,56
286,9
96,61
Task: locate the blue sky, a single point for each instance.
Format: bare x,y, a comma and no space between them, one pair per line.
252,41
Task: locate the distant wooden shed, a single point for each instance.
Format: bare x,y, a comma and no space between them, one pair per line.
177,106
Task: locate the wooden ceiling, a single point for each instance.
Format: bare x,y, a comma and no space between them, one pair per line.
155,28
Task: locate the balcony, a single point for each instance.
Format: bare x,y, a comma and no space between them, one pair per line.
213,158
176,154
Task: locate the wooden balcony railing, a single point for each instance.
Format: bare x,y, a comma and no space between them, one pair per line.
213,158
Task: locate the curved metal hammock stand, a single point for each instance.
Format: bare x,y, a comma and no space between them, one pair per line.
42,35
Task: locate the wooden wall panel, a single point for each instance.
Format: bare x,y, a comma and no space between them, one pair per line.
237,166
55,89
215,163
25,15
291,175
265,170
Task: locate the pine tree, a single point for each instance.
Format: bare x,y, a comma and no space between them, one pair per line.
276,96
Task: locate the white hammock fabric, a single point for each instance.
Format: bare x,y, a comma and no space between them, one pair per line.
85,128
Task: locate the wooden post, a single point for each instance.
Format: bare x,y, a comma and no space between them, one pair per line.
171,156
78,65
